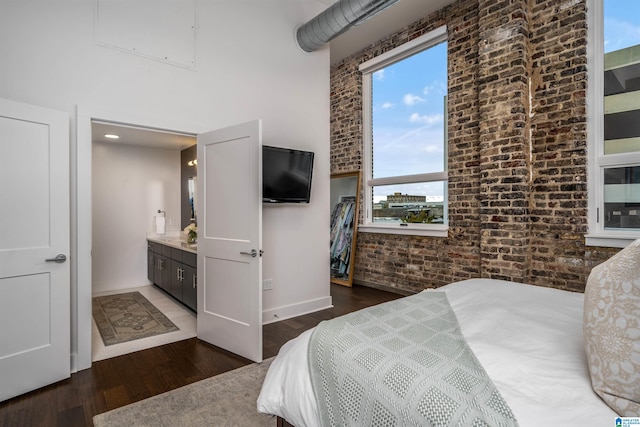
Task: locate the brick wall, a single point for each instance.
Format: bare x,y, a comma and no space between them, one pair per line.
517,149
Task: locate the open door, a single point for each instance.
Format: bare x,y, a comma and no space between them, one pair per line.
34,246
229,213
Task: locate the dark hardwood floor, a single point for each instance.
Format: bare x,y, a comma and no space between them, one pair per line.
122,380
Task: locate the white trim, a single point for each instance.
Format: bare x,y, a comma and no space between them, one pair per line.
609,240
618,160
433,230
82,221
416,45
294,310
597,161
409,179
367,68
595,50
367,137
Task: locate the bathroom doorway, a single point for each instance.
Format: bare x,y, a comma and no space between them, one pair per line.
135,171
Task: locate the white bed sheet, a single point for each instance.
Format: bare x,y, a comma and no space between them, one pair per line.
528,339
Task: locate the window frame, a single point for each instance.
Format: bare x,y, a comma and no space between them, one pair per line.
367,69
597,161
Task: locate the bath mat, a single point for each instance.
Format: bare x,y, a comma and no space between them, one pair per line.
127,317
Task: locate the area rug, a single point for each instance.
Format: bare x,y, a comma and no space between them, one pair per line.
227,399
128,316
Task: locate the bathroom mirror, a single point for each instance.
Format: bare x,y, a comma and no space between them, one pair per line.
192,198
188,180
345,203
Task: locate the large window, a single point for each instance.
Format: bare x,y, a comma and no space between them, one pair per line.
614,122
405,138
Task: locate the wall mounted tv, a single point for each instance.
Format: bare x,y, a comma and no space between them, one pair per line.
286,175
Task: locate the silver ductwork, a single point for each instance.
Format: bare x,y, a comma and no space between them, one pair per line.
337,19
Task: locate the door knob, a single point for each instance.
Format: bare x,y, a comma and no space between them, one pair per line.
60,258
253,253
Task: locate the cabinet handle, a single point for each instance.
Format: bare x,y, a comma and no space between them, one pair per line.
178,274
160,262
195,281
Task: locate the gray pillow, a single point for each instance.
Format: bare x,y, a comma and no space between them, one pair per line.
612,330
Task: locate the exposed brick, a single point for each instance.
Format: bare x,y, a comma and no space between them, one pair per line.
517,149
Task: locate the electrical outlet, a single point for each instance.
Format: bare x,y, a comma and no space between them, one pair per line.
267,284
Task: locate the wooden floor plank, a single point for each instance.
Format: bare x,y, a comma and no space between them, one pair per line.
122,380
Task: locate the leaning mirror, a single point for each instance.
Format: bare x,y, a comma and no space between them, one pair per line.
345,201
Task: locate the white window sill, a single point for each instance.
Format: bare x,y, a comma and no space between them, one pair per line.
611,239
432,230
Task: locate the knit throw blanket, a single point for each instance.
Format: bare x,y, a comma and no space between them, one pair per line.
402,363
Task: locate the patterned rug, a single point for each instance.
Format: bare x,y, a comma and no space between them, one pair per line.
227,400
127,317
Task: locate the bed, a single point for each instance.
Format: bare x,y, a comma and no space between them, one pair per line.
528,339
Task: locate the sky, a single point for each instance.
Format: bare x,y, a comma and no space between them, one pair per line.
408,120
621,24
408,106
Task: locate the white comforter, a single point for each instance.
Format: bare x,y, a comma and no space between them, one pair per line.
528,339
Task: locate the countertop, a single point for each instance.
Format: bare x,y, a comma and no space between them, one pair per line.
174,241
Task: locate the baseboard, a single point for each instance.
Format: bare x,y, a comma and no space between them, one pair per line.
294,310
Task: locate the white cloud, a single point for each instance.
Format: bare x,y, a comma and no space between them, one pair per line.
379,75
427,90
426,119
387,105
411,99
438,87
432,149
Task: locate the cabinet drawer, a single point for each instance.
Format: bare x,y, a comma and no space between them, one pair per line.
177,254
190,259
154,247
166,250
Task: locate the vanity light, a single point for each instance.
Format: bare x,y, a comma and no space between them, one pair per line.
111,136
193,162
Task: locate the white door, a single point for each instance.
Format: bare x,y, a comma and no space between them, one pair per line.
229,212
34,228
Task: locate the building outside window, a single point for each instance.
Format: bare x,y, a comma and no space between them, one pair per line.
614,122
405,138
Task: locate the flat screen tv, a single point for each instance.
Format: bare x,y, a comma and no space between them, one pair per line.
286,175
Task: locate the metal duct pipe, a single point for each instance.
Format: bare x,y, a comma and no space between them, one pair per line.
337,19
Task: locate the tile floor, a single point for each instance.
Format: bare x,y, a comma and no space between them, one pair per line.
182,317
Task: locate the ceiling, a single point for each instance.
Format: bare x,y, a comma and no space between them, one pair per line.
130,135
392,19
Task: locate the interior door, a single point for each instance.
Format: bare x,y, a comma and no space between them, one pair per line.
34,243
229,212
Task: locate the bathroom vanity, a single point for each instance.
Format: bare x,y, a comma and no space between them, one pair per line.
171,266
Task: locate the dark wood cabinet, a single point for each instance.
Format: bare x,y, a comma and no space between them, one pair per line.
190,287
174,271
175,281
190,280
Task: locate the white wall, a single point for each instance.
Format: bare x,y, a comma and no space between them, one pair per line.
248,66
129,185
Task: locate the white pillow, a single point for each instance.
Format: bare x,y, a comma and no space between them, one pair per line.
612,330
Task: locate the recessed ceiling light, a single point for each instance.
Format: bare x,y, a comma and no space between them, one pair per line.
111,136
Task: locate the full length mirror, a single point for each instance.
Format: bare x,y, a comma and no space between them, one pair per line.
345,202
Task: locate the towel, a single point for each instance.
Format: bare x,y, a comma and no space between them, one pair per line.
160,225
